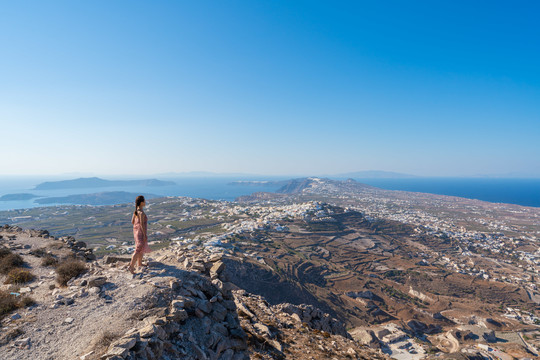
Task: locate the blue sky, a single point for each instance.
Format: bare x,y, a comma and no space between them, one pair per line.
446,88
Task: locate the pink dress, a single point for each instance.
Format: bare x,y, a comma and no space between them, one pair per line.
141,245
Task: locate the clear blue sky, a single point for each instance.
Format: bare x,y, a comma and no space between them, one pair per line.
445,88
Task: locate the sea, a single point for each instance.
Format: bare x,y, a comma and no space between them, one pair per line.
524,192
207,188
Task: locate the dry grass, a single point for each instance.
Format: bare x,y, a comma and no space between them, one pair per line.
101,342
68,270
19,276
49,260
27,301
10,261
9,302
41,252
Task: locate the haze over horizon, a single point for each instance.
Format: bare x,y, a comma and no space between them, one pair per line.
270,88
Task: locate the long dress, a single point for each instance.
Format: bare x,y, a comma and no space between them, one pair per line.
141,245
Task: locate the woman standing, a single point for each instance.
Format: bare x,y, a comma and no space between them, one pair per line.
140,227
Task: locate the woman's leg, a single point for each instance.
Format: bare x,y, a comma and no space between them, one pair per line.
133,261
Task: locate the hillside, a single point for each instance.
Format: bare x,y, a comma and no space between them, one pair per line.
180,306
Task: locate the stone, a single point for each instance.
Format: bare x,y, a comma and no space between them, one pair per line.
198,352
94,290
238,333
25,290
219,312
217,267
86,356
227,355
205,306
83,282
263,329
80,244
220,328
126,343
69,320
22,342
178,314
174,285
215,257
97,281
15,316
116,351
147,331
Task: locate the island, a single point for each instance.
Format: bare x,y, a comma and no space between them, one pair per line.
95,182
17,197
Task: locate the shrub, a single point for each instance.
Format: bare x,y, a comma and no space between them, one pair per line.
10,261
8,303
19,276
4,252
27,301
68,270
49,261
41,252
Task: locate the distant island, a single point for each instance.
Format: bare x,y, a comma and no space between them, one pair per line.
374,174
258,183
17,197
102,198
94,182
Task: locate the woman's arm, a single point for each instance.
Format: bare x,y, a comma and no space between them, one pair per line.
144,225
133,219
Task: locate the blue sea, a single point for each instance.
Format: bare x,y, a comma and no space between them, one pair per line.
513,191
207,188
524,192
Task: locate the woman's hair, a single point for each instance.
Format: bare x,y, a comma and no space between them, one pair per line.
138,202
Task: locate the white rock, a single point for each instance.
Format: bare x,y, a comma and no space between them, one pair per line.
69,320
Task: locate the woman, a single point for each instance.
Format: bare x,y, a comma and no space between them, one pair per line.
140,223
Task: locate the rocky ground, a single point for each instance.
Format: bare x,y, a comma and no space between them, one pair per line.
181,306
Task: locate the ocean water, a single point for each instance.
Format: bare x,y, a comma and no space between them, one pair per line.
524,192
207,188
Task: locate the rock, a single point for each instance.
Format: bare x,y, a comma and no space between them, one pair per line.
198,352
94,290
83,282
174,285
108,259
68,320
220,328
79,244
126,342
22,342
116,351
217,267
227,355
15,316
219,312
205,306
365,337
97,281
86,356
263,329
215,257
147,331
243,310
178,314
